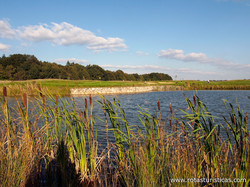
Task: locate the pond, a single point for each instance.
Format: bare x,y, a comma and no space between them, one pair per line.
131,102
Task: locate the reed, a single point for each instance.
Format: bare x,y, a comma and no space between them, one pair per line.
21,145
55,132
238,138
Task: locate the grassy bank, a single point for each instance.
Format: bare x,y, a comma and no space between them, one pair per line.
215,85
65,148
63,87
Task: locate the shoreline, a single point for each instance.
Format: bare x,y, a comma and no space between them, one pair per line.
77,87
122,90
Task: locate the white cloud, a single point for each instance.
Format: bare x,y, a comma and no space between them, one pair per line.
5,30
202,58
75,60
178,54
142,53
4,47
62,34
67,34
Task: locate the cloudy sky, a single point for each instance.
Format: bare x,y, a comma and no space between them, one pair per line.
188,39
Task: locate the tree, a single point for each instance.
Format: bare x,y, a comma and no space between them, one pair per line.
22,67
10,71
96,72
119,74
109,75
2,73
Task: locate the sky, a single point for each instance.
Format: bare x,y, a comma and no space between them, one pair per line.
187,39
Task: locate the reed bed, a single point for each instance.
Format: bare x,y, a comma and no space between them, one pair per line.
54,142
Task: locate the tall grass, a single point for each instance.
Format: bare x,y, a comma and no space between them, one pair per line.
54,139
20,143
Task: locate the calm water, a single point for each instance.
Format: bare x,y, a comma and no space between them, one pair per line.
131,103
212,99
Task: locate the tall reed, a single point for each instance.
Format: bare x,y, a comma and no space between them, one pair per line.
151,152
20,143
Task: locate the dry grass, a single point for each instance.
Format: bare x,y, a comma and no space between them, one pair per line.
149,155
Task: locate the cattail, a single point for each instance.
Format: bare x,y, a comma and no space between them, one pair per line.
57,100
90,100
86,103
234,120
4,91
4,94
80,113
39,88
171,109
85,116
25,100
194,97
159,105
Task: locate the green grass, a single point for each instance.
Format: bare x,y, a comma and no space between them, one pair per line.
62,87
73,83
215,85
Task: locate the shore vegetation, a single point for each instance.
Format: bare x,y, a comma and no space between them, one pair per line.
54,142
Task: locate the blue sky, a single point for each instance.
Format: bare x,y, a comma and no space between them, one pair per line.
194,39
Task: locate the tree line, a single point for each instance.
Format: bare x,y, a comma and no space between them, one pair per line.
24,67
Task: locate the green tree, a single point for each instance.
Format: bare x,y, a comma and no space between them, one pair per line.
96,72
120,75
2,72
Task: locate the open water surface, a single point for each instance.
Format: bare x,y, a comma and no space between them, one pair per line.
131,102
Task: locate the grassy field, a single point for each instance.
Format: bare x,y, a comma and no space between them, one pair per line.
62,87
215,85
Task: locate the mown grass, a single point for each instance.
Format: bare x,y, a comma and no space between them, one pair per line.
215,85
62,87
55,143
73,83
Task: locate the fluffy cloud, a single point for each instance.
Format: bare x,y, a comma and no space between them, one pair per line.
4,47
75,60
62,34
202,58
67,34
178,54
5,30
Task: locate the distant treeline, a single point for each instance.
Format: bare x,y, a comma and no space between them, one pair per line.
24,67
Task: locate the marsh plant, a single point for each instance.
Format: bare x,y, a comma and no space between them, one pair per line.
54,141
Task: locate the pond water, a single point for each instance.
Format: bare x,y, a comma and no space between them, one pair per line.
131,102
212,99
